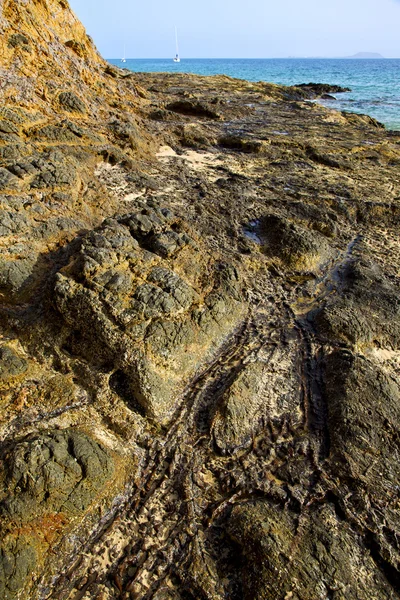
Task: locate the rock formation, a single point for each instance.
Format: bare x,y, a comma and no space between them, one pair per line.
200,325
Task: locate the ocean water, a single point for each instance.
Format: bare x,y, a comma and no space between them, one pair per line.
374,83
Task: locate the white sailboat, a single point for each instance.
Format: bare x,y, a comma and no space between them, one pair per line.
176,59
124,58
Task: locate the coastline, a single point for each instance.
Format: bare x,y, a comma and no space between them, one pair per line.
200,332
379,100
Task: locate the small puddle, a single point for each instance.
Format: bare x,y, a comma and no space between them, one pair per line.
251,231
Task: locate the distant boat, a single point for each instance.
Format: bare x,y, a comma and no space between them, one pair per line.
124,59
176,59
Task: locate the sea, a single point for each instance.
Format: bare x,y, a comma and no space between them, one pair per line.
374,83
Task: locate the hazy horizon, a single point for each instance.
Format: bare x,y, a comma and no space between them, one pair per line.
254,58
228,30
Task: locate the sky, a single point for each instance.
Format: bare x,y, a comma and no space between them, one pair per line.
242,28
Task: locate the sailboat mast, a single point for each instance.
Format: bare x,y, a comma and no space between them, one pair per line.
176,59
176,41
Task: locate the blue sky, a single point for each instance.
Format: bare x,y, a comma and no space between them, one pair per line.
238,28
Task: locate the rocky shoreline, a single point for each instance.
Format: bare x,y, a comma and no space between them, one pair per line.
200,329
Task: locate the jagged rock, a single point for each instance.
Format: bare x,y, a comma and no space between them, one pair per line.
323,221
14,274
319,89
262,392
18,40
193,108
243,144
125,132
56,472
78,47
18,560
70,102
7,180
235,353
123,288
328,160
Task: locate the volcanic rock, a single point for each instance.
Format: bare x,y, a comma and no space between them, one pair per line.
199,319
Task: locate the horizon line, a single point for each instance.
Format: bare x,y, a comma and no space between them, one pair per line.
258,58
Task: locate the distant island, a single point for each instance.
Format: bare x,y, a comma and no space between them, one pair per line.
366,55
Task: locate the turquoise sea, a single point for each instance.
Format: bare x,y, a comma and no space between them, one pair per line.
374,83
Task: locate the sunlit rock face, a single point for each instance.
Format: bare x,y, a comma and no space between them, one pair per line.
199,332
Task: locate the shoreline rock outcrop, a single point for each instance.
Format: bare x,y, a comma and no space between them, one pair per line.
199,321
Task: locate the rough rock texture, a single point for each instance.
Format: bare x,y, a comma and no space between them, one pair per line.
138,316
200,325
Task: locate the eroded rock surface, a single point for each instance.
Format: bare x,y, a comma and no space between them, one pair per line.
156,327
47,481
199,321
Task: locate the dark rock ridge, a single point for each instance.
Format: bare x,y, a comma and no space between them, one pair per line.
200,325
315,90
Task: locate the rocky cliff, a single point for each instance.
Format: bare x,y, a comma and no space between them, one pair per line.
200,332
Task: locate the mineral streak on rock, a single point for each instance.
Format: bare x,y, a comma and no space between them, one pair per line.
199,321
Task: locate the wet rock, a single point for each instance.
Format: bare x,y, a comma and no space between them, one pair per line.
362,120
316,90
